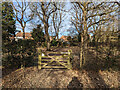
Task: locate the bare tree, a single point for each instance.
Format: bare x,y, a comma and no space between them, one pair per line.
22,13
85,13
58,18
44,10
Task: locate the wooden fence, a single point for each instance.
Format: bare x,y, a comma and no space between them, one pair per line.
61,58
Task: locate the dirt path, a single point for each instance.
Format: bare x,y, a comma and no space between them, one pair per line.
31,77
34,78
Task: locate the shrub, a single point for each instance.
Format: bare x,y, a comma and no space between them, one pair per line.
38,35
54,42
65,43
44,44
22,52
11,61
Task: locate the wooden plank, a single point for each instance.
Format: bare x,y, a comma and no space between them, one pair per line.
58,52
44,63
61,60
64,52
55,57
47,63
53,67
113,40
113,37
46,59
45,56
53,52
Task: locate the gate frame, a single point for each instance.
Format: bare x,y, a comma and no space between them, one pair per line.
67,55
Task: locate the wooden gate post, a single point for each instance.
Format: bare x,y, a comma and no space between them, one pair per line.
39,58
69,56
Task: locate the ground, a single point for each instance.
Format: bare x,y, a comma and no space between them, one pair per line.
32,77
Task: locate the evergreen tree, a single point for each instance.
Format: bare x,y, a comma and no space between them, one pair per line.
8,26
38,34
8,21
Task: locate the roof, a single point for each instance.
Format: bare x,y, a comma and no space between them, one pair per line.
12,37
27,35
52,37
64,38
20,34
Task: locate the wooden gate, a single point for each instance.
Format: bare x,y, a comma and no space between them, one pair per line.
62,58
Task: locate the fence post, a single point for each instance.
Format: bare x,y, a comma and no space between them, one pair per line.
69,56
39,58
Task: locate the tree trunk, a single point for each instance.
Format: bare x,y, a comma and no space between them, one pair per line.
47,37
48,45
14,36
57,36
85,36
23,32
81,51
